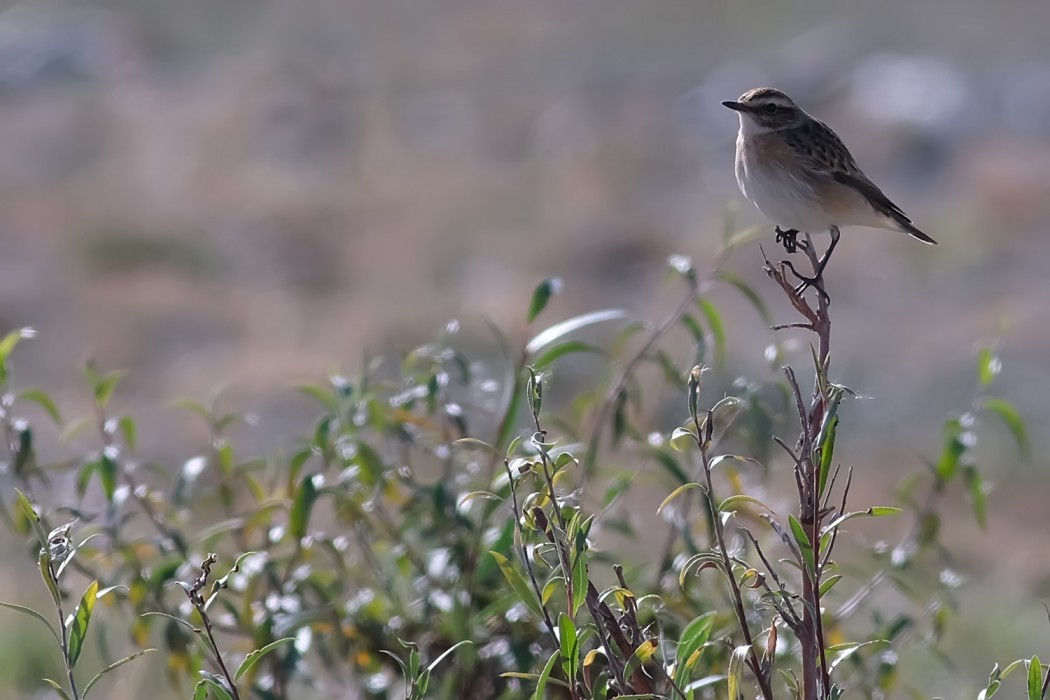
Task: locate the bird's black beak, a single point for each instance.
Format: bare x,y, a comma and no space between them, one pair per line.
735,106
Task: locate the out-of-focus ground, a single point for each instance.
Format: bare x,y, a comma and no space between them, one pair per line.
255,192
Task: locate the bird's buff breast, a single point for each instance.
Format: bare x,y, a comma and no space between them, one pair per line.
784,194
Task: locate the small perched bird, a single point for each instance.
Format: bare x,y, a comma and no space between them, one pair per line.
799,174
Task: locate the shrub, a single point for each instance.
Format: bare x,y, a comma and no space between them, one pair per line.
450,530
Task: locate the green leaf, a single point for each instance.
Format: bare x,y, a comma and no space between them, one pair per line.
678,492
105,386
214,684
743,498
400,663
34,614
988,366
485,495
43,400
57,688
736,671
827,453
34,520
828,583
48,574
667,461
476,444
1035,679
107,475
876,512
569,646
541,295
560,330
445,654
111,667
129,431
321,394
747,291
978,499
7,346
253,658
561,350
845,651
802,539
299,517
1012,418
640,656
954,449
682,439
714,323
691,646
525,594
541,683
579,576
79,626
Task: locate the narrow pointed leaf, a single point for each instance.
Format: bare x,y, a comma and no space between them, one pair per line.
34,614
678,492
1013,420
257,655
541,295
745,289
214,685
305,497
559,330
48,574
802,540
79,627
445,654
517,583
717,328
541,683
561,350
57,688
690,646
743,498
736,671
113,666
569,646
31,515
43,400
1035,679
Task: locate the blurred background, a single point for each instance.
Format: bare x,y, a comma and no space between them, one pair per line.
254,192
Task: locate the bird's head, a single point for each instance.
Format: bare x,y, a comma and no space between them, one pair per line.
766,109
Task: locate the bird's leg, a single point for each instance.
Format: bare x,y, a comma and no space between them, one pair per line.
817,280
790,239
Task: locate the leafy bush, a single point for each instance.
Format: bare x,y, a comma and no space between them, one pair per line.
454,528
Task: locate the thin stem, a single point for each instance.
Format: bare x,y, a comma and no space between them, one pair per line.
65,647
218,655
738,601
662,329
525,555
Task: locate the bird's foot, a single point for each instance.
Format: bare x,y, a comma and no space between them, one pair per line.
790,239
816,282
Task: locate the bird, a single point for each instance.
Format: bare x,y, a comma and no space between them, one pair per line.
800,175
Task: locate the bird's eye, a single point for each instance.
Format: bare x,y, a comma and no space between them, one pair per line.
771,108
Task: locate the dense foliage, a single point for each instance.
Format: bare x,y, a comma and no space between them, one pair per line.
456,527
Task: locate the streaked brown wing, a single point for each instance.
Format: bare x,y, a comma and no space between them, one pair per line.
872,193
820,148
823,152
